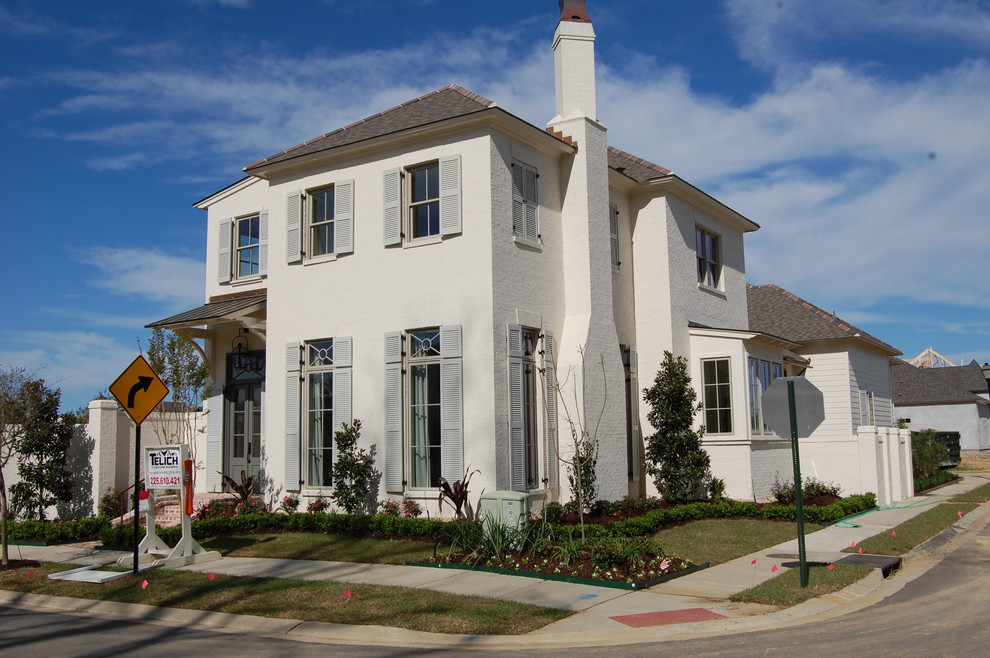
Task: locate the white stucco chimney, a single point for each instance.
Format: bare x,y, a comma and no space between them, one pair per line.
574,62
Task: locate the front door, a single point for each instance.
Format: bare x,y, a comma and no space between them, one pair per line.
244,429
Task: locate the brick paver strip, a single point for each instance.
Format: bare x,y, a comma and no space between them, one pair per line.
667,617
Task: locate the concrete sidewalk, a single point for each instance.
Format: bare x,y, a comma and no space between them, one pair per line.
696,604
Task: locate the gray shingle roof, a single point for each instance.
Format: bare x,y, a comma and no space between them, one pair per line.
952,385
775,311
211,311
447,103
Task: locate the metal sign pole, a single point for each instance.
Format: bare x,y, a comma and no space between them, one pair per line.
137,480
798,496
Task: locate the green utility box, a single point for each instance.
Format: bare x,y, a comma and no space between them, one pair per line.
508,508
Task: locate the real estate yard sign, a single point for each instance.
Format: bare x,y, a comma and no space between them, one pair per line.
163,466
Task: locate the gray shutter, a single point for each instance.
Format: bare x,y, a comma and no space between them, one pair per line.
550,381
392,210
293,227
451,403
517,418
293,372
450,195
263,242
613,229
214,442
393,412
342,386
518,201
530,179
634,397
223,252
343,217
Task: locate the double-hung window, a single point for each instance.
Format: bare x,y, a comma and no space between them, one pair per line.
761,375
422,201
525,203
320,222
708,247
717,396
423,408
525,388
243,247
318,385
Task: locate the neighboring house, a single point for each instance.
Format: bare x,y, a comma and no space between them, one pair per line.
852,370
465,283
949,399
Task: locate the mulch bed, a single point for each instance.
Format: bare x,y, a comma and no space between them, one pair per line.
19,564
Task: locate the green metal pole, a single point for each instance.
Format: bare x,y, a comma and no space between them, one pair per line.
137,493
798,497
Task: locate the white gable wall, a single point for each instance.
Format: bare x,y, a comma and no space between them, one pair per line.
971,420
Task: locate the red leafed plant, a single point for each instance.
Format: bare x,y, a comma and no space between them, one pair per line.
455,494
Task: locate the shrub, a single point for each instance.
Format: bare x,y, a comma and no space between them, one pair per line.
602,508
290,503
318,505
411,508
928,453
553,512
353,470
109,504
811,487
214,508
389,507
120,536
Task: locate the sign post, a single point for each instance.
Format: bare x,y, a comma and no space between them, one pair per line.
138,390
781,403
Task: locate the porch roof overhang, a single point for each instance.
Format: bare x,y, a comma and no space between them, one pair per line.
247,310
695,329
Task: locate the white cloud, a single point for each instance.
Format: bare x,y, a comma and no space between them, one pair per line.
147,273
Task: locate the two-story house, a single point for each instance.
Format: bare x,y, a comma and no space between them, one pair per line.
470,286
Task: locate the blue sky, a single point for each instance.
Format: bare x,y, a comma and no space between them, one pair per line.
856,133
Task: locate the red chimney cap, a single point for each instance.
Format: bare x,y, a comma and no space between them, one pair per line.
573,11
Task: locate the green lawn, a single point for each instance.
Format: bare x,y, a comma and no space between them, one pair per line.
785,590
414,609
914,531
721,540
316,546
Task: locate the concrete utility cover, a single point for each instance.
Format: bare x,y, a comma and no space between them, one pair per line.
808,400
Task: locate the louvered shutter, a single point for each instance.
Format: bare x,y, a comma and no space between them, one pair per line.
342,387
634,397
293,227
450,195
532,203
343,215
392,210
550,386
263,243
451,403
518,201
393,413
613,230
517,417
293,372
223,252
214,442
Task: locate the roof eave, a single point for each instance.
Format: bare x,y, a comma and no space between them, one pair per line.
494,116
676,185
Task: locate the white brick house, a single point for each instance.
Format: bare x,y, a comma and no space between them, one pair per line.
437,269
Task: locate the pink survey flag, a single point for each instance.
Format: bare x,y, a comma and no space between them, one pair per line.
893,533
861,551
831,566
854,543
144,584
212,576
753,562
348,594
959,513
773,569
30,573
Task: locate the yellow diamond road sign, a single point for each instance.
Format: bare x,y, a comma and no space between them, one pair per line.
139,390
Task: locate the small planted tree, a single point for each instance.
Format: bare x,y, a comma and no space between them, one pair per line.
177,361
583,459
353,470
674,456
47,436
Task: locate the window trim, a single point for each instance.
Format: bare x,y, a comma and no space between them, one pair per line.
765,370
308,371
309,253
228,249
410,205
396,194
705,385
709,270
